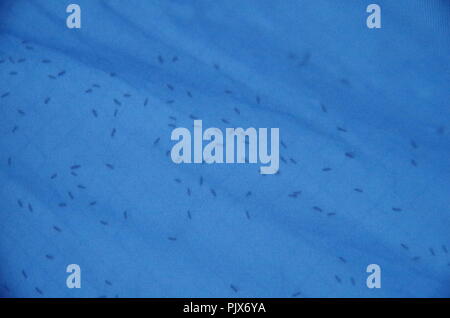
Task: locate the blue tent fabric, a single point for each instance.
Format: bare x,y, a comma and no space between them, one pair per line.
86,175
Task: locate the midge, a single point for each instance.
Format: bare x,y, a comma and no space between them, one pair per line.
213,152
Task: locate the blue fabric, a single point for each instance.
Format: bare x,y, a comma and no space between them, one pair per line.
85,122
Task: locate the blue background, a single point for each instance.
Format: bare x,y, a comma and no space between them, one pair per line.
364,123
